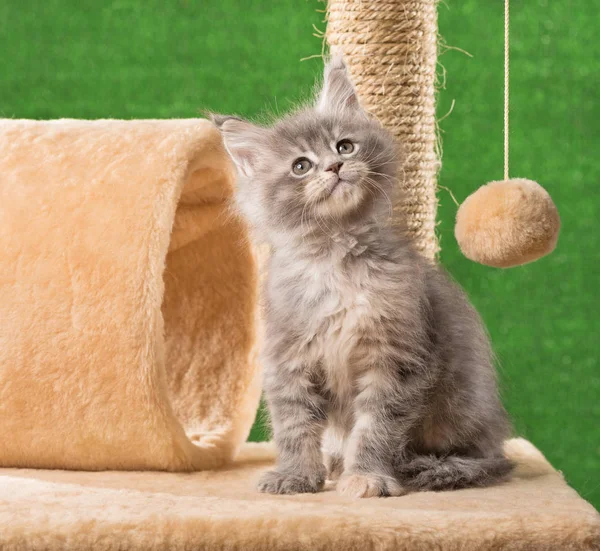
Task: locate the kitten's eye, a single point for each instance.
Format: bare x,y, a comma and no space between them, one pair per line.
301,166
345,147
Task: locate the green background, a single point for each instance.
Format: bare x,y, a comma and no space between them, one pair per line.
154,59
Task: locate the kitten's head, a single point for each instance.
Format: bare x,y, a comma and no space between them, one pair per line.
322,167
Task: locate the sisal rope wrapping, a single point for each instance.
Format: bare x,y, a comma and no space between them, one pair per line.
390,47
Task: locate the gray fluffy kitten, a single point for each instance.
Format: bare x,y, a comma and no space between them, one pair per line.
375,362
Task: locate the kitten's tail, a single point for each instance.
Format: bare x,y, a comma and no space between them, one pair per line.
453,472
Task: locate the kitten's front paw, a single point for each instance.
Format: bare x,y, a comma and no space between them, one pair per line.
282,482
369,485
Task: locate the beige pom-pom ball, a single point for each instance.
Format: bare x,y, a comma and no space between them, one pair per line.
507,223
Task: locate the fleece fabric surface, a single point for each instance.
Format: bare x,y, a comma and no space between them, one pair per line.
127,298
221,510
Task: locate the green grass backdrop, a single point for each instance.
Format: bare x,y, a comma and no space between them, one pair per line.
155,59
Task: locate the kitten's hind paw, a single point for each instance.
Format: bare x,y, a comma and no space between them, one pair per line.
281,482
369,485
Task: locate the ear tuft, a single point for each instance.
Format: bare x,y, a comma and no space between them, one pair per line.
338,92
335,63
219,120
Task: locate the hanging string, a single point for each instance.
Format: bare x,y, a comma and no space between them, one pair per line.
506,89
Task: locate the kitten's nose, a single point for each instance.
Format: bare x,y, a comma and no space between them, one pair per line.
335,167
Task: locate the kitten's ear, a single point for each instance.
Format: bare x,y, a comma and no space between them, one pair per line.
338,91
242,141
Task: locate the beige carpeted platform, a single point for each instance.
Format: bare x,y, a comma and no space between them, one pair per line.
146,511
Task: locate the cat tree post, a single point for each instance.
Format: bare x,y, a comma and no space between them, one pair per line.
390,47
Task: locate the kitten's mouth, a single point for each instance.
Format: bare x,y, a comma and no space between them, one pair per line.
335,186
341,193
338,187
328,191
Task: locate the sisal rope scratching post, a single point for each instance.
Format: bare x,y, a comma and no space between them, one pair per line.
390,47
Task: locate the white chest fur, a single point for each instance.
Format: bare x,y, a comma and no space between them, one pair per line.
339,310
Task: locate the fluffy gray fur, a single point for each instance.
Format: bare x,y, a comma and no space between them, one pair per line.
376,364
